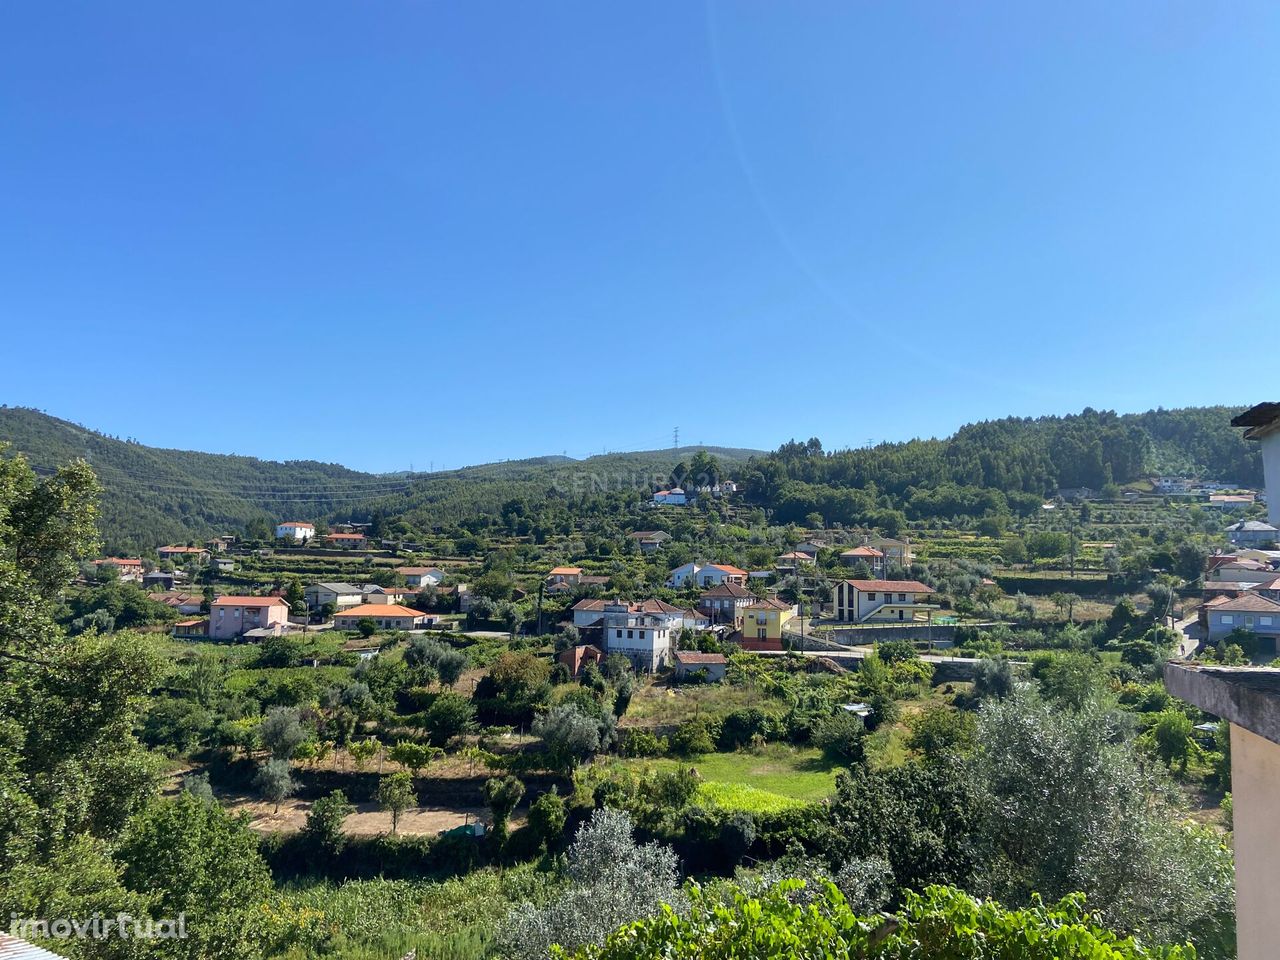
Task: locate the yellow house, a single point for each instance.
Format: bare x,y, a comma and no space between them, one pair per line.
766,619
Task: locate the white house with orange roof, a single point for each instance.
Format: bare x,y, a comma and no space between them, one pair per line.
385,616
295,530
675,497
706,575
862,601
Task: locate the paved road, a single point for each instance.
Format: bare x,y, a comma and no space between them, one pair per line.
1190,637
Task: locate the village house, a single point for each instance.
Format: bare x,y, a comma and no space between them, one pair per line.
810,548
767,619
706,575
644,639
897,553
1257,614
127,568
341,595
374,593
675,497
421,576
863,601
1238,575
1252,533
1262,423
725,602
179,600
567,575
873,558
591,613
161,579
687,662
223,564
295,530
575,658
232,617
650,541
179,553
220,544
346,541
1230,501
385,616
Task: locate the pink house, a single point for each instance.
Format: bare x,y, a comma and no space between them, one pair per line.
231,617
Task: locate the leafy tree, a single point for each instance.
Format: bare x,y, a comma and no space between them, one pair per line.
993,678
282,732
784,920
843,736
323,832
274,780
415,756
395,794
502,794
612,881
547,817
362,751
1072,808
1172,736
940,730
366,627
195,859
572,735
450,715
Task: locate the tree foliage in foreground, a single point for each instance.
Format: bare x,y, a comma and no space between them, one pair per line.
941,924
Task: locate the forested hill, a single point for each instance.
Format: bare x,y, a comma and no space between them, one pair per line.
154,496
1001,465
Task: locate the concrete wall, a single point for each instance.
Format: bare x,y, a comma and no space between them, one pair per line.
1255,774
1271,468
894,631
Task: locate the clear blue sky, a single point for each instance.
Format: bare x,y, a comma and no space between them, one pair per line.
378,233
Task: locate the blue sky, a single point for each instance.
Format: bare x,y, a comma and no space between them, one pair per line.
429,233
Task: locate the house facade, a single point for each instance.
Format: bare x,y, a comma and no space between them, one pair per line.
650,541
127,568
767,619
725,602
346,541
687,662
232,617
341,595
675,497
897,553
706,575
866,601
873,558
593,613
566,575
643,639
179,553
295,530
1257,614
421,576
385,616
1252,533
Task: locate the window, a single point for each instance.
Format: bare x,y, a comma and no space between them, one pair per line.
871,596
1227,618
631,634
1264,621
619,634
902,598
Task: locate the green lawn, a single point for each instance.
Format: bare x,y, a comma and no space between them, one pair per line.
777,771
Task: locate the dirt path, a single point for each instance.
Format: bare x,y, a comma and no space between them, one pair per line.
366,821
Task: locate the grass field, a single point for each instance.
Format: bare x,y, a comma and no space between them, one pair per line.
774,778
659,705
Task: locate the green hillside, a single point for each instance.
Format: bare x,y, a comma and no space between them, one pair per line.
154,495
